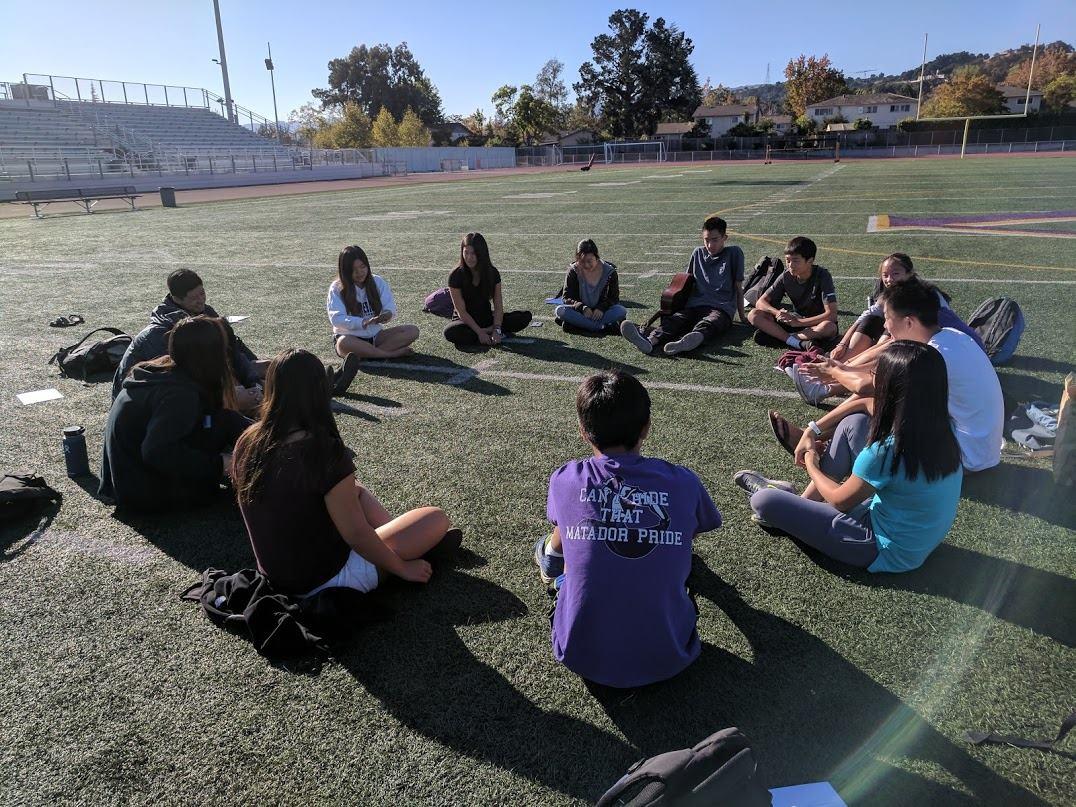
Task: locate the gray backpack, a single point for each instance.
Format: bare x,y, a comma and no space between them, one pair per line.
720,771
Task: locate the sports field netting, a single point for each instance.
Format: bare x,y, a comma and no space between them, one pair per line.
114,690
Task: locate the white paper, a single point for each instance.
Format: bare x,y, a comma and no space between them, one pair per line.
37,396
234,318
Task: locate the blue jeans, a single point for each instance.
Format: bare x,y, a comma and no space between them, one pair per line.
612,315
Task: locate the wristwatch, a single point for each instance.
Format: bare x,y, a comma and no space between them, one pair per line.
815,428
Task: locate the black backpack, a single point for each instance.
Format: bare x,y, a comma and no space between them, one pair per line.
718,772
103,355
763,276
20,493
1000,324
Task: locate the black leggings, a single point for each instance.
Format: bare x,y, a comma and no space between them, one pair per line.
461,335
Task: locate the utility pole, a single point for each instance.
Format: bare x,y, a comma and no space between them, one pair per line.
224,64
272,82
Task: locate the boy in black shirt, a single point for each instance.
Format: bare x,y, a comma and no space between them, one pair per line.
813,318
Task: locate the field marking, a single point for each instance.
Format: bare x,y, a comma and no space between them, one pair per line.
944,280
751,237
467,373
473,372
539,195
614,184
400,215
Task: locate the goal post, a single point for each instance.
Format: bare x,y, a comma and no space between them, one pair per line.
640,151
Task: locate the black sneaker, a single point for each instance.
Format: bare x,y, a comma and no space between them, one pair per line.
752,482
346,374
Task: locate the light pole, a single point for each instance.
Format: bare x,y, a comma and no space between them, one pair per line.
272,82
223,64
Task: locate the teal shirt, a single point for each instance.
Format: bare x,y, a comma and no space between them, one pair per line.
910,517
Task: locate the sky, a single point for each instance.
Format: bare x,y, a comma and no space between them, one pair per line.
469,49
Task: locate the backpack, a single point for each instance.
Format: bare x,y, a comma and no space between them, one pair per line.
763,276
103,355
1000,323
439,303
720,771
20,493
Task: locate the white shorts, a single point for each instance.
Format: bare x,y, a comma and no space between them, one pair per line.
358,573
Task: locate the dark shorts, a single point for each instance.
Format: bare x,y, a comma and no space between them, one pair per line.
338,336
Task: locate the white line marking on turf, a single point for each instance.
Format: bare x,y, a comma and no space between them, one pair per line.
943,280
467,373
471,372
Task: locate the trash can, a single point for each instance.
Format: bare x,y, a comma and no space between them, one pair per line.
168,197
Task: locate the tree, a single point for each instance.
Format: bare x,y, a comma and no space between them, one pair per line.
1060,92
804,124
969,92
581,116
385,130
1052,62
862,124
307,121
350,131
637,73
809,80
549,87
532,116
717,96
411,132
382,76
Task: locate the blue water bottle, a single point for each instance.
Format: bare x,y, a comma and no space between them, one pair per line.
78,464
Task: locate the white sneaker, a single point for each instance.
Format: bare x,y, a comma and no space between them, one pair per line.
687,342
631,332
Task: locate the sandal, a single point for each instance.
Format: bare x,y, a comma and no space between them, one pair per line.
68,321
783,431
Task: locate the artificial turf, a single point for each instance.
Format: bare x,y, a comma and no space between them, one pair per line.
112,690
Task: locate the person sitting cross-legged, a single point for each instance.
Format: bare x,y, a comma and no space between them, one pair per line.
311,524
716,269
886,507
591,293
623,527
359,305
813,318
479,317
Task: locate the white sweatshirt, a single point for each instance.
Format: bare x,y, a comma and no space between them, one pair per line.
344,323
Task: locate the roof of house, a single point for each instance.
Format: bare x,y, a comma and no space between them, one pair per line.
726,111
864,100
1009,91
550,138
778,119
674,128
840,127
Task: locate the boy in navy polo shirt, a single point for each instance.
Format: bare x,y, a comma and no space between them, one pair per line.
813,318
623,529
716,297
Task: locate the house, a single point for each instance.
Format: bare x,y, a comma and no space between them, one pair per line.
454,131
840,127
884,110
576,137
719,119
671,134
782,124
1015,97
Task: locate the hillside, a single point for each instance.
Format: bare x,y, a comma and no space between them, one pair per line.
771,96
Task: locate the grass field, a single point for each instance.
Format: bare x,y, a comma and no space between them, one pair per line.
115,691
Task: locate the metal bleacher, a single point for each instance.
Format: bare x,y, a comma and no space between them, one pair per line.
61,129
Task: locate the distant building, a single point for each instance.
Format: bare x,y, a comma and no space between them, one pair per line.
782,124
454,132
717,120
673,133
884,110
1015,97
576,137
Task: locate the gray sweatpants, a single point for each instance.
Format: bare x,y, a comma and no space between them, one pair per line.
846,537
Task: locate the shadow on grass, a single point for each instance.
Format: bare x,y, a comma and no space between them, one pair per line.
210,535
417,373
1022,489
1038,364
424,674
1019,387
1041,601
809,713
19,534
563,353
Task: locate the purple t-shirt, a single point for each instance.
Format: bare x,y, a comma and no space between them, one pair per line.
623,615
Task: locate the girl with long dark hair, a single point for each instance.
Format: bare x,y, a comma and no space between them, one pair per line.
591,293
173,424
311,523
475,286
899,496
359,305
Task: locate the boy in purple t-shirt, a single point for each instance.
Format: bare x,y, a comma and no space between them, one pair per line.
623,528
